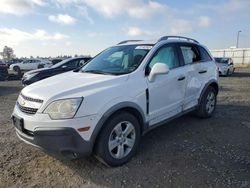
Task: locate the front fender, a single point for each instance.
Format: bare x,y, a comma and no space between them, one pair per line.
108,113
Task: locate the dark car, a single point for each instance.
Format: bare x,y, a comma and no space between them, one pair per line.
55,61
3,71
61,67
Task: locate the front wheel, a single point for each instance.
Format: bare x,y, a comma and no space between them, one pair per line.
40,66
119,139
208,103
16,69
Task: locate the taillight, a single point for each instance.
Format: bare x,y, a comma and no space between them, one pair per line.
3,65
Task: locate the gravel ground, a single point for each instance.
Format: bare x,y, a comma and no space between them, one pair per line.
187,152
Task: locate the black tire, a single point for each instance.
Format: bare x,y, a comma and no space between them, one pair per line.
202,110
102,145
40,66
16,69
227,73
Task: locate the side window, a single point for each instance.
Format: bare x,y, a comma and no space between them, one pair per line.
81,62
71,64
204,54
167,55
190,54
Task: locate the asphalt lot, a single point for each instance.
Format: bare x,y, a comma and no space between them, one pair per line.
187,152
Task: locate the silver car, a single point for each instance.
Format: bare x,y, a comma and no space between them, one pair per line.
225,66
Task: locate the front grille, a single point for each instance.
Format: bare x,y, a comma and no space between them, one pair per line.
31,99
27,110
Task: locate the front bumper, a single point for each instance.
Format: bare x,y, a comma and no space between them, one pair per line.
223,71
63,143
60,138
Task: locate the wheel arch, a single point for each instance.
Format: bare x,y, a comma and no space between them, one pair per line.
212,83
130,107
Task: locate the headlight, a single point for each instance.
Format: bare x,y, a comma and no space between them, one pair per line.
63,109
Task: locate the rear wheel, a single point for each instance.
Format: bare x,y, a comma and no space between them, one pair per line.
208,103
119,139
40,66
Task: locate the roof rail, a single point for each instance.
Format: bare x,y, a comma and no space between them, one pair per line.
178,37
125,41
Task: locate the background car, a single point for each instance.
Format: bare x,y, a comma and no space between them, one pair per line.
225,66
64,66
13,61
3,71
30,64
55,61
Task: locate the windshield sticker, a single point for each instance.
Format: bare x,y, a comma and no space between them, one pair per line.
143,47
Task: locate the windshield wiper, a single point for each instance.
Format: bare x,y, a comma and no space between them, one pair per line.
98,72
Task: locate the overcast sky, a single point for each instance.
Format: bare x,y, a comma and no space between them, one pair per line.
68,27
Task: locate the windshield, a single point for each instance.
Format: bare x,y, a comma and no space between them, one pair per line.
118,60
221,60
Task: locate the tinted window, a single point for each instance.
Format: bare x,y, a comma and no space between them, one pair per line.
190,54
165,55
71,64
204,54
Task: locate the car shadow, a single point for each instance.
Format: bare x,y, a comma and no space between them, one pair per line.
171,147
240,74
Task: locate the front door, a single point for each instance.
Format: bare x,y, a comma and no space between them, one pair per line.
166,92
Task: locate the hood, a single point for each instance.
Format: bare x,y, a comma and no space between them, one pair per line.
36,71
70,85
221,64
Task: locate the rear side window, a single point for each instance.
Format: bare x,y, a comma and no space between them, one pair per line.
204,54
190,54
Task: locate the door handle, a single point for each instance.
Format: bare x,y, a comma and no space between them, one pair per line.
202,71
181,78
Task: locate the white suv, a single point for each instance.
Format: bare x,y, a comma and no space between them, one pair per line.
30,64
106,106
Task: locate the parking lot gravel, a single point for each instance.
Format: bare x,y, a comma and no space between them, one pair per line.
187,152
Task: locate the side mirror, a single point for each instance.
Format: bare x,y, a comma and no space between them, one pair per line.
64,66
158,68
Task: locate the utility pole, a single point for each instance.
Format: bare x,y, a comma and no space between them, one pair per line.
238,35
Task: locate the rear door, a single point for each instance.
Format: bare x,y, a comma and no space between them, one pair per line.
166,92
196,60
